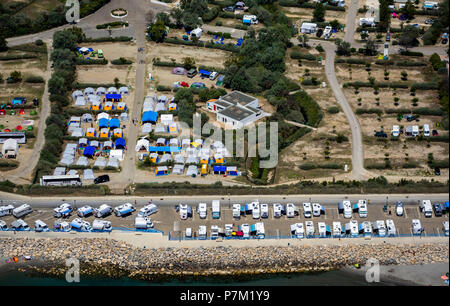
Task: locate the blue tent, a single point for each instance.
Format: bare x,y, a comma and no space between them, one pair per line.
89,151
149,117
114,123
164,149
219,169
204,72
102,123
113,97
120,143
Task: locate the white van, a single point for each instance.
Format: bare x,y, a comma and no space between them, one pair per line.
277,210
337,229
124,209
298,230
395,130
391,230
362,208
445,228
103,211
40,226
317,209
322,229
256,212
426,130
214,232
426,208
188,232
213,75
236,211
62,211
416,227
264,211
85,211
201,209
22,210
6,210
202,232
291,210
309,228
216,209
307,210
143,223
380,228
148,210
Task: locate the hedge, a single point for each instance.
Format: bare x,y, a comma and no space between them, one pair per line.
112,25
355,61
410,64
333,110
121,61
226,47
80,61
16,57
163,88
425,86
108,39
220,34
293,3
34,79
310,166
360,111
411,53
76,85
306,56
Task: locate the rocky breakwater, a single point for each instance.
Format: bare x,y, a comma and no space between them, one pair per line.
118,259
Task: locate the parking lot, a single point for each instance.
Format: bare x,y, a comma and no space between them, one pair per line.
166,218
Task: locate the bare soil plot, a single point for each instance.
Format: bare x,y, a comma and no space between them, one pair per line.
38,7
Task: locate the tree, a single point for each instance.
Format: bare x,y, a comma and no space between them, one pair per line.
409,10
62,55
303,40
15,76
157,31
165,18
191,21
3,43
343,47
319,12
188,63
177,15
335,24
385,14
65,40
435,61
56,85
371,47
409,37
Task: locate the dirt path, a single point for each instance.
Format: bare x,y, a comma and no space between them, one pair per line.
25,170
350,26
300,125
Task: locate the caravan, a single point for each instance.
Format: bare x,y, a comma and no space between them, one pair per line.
216,209
202,210
264,211
322,229
103,211
298,230
291,210
63,211
101,226
143,223
124,210
362,208
20,225
345,207
202,232
85,211
236,211
352,228
258,230
309,228
22,210
426,208
245,229
185,211
3,226
40,226
445,228
256,212
391,230
417,228
228,230
278,210
307,210
365,228
148,210
337,229
61,226
80,225
317,209
214,232
6,210
380,228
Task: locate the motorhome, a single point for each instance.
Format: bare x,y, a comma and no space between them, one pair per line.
362,208
445,228
61,226
291,210
143,223
214,232
426,208
322,227
228,230
188,232
327,32
278,210
307,210
20,225
379,227
103,211
264,211
22,211
256,213
317,209
78,224
6,210
309,228
365,228
185,211
245,229
216,209
298,230
236,211
391,230
85,211
258,230
337,229
63,211
248,208
40,226
202,232
101,226
201,210
148,210
249,19
345,207
124,210
399,208
3,226
416,227
352,229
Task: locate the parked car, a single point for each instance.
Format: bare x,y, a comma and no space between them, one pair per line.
429,21
192,73
102,179
319,33
399,209
437,171
213,75
434,133
388,36
229,9
437,210
380,134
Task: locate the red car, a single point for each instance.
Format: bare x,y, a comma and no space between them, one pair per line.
435,133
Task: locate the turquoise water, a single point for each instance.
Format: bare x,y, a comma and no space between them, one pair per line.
332,278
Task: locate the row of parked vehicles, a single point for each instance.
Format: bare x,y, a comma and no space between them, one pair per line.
244,231
76,224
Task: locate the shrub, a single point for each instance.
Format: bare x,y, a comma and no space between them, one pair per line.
121,61
163,88
112,25
39,42
299,55
34,79
333,110
361,111
81,61
411,53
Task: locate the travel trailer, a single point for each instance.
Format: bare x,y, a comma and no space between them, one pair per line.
307,210
214,232
345,207
362,208
63,211
316,209
278,210
256,214
322,229
236,211
101,226
249,19
6,210
291,210
309,228
445,228
80,225
103,211
352,229
258,230
85,211
143,223
426,208
61,226
379,227
298,230
337,229
148,210
20,225
365,228
124,210
202,210
202,232
245,229
228,230
264,211
391,230
3,226
185,211
40,226
22,211
216,209
188,232
417,228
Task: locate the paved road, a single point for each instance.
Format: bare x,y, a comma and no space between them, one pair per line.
377,199
25,170
352,11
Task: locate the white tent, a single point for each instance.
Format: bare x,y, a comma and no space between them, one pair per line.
72,172
67,160
192,160
160,107
89,91
308,28
77,132
101,91
192,171
116,154
148,106
146,128
166,119
82,161
123,117
160,128
179,159
59,171
185,143
10,148
102,115
173,142
88,174
113,162
93,98
112,90
76,94
124,90
165,158
142,144
73,126
87,118
100,162
163,99
82,141
80,101
178,169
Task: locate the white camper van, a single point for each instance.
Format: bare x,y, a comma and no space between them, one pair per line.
309,228
216,209
322,229
103,211
365,228
62,226
277,210
202,232
352,228
416,227
307,210
101,225
317,209
201,209
124,210
298,230
445,228
391,230
214,232
426,208
337,229
327,32
236,211
188,232
185,211
3,226
22,211
362,208
80,225
85,211
245,228
256,214
258,230
40,226
20,225
143,223
62,211
228,230
380,228
264,211
345,207
6,210
426,130
148,210
291,210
